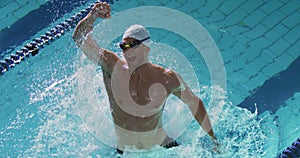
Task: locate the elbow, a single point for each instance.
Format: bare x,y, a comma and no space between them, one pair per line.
74,36
76,39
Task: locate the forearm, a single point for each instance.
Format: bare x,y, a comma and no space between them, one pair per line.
202,117
84,27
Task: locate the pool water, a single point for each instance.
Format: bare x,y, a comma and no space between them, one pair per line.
55,104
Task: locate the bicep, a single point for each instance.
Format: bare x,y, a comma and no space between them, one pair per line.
90,48
184,93
98,55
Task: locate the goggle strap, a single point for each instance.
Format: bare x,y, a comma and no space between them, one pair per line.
144,39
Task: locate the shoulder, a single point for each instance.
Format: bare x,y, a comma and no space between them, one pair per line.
163,71
171,77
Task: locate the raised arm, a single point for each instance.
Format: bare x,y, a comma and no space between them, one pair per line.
195,104
84,40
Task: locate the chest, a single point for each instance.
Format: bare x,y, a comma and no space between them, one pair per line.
138,86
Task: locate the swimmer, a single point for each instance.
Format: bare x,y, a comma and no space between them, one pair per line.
137,89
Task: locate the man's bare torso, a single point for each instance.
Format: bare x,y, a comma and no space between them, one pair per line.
142,132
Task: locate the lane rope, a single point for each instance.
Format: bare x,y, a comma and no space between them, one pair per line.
33,48
292,151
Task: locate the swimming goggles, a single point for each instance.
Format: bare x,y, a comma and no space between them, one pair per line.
132,44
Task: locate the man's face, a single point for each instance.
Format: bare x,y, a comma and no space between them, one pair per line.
132,53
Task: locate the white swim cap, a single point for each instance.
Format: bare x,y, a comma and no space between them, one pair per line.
138,32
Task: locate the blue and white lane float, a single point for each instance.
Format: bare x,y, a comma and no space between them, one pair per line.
32,48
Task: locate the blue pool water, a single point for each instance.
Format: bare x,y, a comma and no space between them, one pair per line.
54,104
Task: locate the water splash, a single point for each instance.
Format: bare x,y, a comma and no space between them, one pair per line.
62,132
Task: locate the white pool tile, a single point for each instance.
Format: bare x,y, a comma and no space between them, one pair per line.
244,89
251,54
238,77
236,29
6,22
236,62
277,32
284,1
22,2
250,70
273,19
173,4
23,11
41,2
260,62
242,39
271,6
267,52
4,2
271,69
235,17
216,16
215,33
280,46
294,50
227,56
2,15
17,9
275,67
284,60
235,51
8,8
256,46
250,6
254,18
213,5
202,12
256,80
229,6
235,99
292,20
293,35
290,7
266,55
190,7
258,31
226,42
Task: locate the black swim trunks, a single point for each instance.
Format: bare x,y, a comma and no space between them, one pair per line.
170,145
